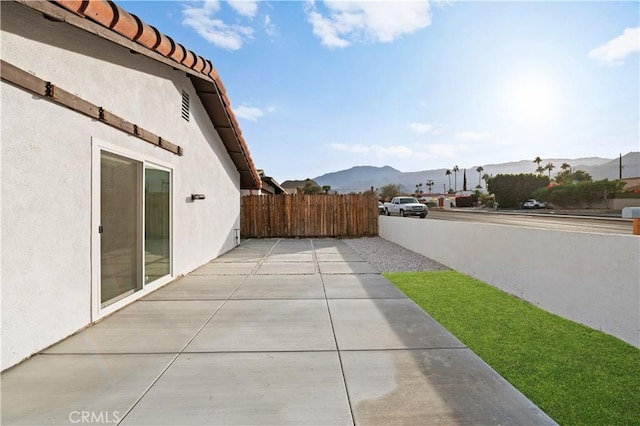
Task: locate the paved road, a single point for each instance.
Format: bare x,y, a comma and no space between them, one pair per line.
537,220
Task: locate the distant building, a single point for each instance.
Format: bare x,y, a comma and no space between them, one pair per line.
295,186
270,186
631,184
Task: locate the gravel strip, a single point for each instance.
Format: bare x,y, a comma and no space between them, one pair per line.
385,256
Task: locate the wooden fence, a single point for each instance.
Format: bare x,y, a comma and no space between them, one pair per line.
288,216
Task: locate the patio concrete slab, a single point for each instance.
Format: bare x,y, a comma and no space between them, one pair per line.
339,257
261,244
363,286
262,247
144,327
292,247
56,390
244,341
432,387
281,287
198,287
341,248
280,250
247,389
288,257
248,250
236,257
244,268
267,325
386,324
346,268
327,242
286,268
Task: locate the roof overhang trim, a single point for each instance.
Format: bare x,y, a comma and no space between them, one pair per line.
108,21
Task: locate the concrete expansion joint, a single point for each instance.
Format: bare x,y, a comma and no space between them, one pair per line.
430,348
309,274
314,255
184,347
54,354
270,351
335,340
264,258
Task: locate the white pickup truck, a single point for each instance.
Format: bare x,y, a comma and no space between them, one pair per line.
533,204
405,206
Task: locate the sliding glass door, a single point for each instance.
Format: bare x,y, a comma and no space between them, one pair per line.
120,228
157,226
135,225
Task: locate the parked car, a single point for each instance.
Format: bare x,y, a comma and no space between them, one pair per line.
381,208
533,204
406,206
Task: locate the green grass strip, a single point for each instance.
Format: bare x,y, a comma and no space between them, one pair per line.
577,375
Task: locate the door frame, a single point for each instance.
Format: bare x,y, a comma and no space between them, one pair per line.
97,146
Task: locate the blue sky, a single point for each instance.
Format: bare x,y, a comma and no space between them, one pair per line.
324,86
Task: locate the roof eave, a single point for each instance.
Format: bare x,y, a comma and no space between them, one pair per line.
221,115
108,21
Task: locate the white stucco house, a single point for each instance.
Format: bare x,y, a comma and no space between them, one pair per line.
118,149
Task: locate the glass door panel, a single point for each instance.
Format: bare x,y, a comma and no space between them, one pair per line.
121,227
157,230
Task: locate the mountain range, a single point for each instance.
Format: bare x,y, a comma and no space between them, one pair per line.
362,178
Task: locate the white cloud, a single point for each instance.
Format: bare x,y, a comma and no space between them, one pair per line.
346,22
246,8
202,20
442,4
441,150
396,151
614,51
473,136
425,128
269,27
323,28
431,151
250,113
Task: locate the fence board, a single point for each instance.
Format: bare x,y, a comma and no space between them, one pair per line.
289,216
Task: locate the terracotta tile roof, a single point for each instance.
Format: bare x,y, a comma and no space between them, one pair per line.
109,15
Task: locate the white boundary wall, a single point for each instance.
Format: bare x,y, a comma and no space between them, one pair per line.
593,279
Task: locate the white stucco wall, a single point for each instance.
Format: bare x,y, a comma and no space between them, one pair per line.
593,279
46,173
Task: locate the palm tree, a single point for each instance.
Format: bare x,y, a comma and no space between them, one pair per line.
448,174
485,178
538,160
540,170
565,167
430,186
479,170
549,167
456,169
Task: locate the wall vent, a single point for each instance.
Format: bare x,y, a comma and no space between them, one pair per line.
185,105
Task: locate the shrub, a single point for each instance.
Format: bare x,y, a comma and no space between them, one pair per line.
509,190
577,194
